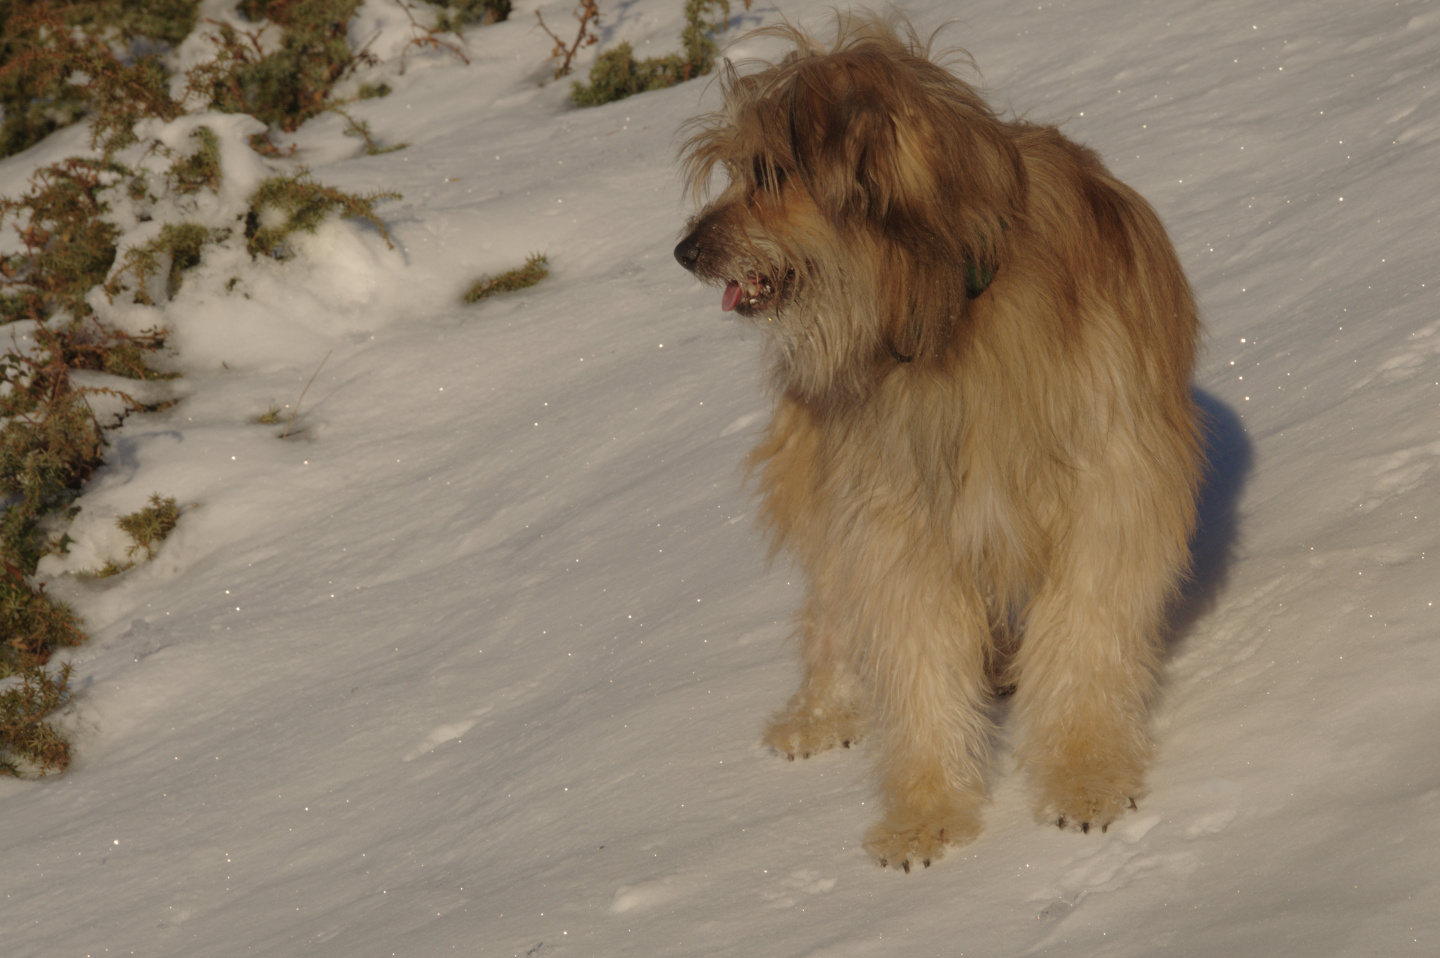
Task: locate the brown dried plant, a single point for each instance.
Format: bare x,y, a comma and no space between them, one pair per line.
588,13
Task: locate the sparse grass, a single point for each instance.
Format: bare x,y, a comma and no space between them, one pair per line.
110,569
361,129
535,269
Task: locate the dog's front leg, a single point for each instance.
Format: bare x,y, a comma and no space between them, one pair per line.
828,709
926,663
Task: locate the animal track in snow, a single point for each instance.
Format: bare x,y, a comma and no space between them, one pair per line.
1398,472
446,732
451,731
1121,858
805,882
744,422
1223,798
647,894
1419,352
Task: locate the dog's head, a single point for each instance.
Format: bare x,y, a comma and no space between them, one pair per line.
865,183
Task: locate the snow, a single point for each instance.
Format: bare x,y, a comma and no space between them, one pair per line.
474,661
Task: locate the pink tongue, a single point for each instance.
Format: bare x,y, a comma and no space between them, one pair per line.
731,297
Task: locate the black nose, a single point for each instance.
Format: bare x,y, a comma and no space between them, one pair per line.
688,252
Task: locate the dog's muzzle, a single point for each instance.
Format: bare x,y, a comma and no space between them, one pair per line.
687,252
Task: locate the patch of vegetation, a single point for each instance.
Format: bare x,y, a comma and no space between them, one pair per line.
45,42
28,743
49,446
68,246
149,526
51,441
58,60
34,624
119,92
163,21
176,249
535,269
284,205
289,86
457,14
616,74
587,14
361,129
201,169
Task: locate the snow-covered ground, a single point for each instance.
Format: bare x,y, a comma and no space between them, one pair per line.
475,662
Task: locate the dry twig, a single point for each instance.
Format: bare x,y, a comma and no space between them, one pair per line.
588,13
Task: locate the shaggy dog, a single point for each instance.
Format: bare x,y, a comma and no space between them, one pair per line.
984,450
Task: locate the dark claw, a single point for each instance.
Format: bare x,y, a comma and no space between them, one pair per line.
789,756
906,865
1061,822
846,743
884,863
1133,805
927,863
1104,828
1085,828
805,755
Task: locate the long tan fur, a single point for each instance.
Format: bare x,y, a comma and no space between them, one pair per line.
984,449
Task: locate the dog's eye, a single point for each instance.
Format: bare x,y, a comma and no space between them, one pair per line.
767,176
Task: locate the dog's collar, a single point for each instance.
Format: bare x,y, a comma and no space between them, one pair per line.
978,277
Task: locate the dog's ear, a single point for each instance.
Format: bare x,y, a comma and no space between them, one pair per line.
846,142
897,142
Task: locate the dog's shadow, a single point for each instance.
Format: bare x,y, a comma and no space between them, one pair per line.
1216,540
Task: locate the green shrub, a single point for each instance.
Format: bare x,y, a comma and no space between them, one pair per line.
33,624
616,73
298,203
535,269
27,741
176,249
471,11
289,86
149,526
67,245
45,42
201,169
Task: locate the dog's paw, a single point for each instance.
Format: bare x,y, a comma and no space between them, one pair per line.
906,842
1084,805
803,732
